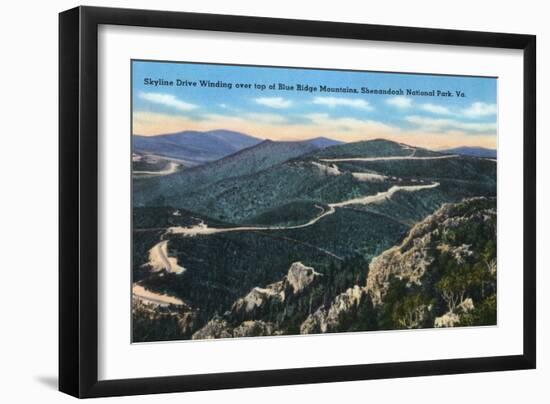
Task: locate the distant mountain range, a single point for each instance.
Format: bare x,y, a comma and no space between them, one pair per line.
323,142
472,151
195,148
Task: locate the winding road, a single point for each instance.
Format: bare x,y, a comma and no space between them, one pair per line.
171,168
203,229
158,254
157,299
159,259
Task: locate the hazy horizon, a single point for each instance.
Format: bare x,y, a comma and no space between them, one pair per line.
434,122
310,138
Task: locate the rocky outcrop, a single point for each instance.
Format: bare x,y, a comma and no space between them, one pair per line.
215,328
221,328
410,260
452,318
246,317
299,277
148,316
448,319
460,253
255,328
410,264
258,297
327,320
315,323
442,233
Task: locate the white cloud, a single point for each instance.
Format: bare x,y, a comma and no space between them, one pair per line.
366,127
476,110
267,118
167,100
256,118
333,102
479,109
400,102
274,102
431,124
346,129
436,109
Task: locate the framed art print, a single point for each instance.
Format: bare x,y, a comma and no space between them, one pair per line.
248,201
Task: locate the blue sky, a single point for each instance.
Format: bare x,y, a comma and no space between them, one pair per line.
430,121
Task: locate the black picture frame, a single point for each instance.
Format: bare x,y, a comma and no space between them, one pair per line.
78,196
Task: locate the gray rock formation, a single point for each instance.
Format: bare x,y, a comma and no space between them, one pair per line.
409,262
299,277
412,257
215,328
255,328
258,297
242,320
327,320
220,328
150,315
